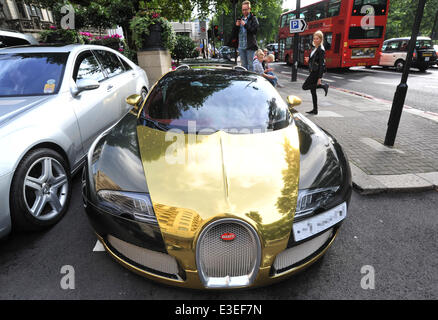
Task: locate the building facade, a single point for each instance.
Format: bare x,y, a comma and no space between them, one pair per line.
17,15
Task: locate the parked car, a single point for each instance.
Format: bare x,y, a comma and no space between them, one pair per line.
273,48
11,38
227,186
394,52
435,47
227,53
54,101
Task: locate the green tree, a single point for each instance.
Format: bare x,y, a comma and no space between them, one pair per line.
401,17
184,48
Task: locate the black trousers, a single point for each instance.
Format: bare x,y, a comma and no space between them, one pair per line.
311,84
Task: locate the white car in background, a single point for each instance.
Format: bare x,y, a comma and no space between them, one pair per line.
11,39
54,101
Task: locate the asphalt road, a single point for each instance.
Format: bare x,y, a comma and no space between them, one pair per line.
392,235
382,83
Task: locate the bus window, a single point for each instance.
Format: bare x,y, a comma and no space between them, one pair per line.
319,11
360,33
328,40
283,21
334,8
289,42
378,5
303,14
290,16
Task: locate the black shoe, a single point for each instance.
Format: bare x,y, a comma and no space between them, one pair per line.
325,87
312,112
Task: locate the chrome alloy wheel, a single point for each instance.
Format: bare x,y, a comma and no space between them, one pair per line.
45,188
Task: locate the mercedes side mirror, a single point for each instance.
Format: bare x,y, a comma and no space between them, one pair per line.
84,85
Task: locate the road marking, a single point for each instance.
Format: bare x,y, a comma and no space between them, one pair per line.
337,77
354,80
328,114
98,247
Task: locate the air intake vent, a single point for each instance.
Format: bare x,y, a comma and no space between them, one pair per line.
155,262
228,254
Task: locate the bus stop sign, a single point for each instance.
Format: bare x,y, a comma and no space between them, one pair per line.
297,25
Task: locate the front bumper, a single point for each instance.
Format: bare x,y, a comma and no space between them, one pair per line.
130,242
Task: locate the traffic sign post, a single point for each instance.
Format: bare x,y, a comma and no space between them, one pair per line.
295,28
297,25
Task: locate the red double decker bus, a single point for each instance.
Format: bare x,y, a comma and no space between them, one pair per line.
353,31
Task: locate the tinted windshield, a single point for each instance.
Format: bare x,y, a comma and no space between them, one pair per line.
205,101
27,74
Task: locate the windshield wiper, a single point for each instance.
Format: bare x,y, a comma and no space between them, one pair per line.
156,124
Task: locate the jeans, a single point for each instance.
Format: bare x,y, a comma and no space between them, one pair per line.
272,81
246,58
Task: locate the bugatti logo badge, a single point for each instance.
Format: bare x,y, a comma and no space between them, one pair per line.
229,236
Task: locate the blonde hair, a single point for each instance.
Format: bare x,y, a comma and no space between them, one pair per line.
248,3
259,53
320,35
271,57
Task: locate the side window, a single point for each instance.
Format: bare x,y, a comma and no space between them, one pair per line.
125,64
110,63
11,41
393,46
384,47
328,41
283,21
334,8
87,67
404,45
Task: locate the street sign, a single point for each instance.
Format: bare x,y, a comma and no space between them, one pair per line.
202,33
297,25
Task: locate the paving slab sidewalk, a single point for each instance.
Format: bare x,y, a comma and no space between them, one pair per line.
359,122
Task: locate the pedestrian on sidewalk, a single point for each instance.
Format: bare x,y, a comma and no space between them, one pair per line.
244,33
316,69
258,68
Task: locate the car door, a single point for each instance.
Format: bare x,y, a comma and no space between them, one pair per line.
91,106
386,56
121,83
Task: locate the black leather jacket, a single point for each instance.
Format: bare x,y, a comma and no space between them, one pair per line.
317,62
251,27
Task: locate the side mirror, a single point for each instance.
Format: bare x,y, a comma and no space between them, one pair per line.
293,101
134,100
84,85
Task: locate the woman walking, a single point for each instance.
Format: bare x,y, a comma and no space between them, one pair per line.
316,68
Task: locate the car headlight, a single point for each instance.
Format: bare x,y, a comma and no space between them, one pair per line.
131,205
311,199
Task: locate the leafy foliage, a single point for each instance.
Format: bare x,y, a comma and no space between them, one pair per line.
184,48
401,16
141,23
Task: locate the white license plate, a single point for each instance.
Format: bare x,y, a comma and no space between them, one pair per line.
315,224
426,58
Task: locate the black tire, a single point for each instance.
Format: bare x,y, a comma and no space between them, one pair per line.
53,189
399,65
423,69
368,67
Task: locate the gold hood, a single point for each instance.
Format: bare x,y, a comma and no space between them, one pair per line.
196,179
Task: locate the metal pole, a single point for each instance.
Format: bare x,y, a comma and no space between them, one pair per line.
235,18
296,42
402,88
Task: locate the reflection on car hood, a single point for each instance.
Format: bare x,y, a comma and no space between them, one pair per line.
10,107
194,179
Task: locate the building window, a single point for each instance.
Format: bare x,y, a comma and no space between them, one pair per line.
22,10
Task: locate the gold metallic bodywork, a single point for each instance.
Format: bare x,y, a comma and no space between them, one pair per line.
196,179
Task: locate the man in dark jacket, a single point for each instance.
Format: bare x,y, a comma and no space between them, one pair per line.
245,31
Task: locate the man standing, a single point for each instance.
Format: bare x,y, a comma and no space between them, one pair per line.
246,28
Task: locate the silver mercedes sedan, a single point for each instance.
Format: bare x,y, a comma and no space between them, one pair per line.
54,101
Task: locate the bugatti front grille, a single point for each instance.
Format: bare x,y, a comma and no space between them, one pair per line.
228,254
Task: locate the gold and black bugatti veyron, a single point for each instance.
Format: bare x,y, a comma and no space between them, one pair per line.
215,182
